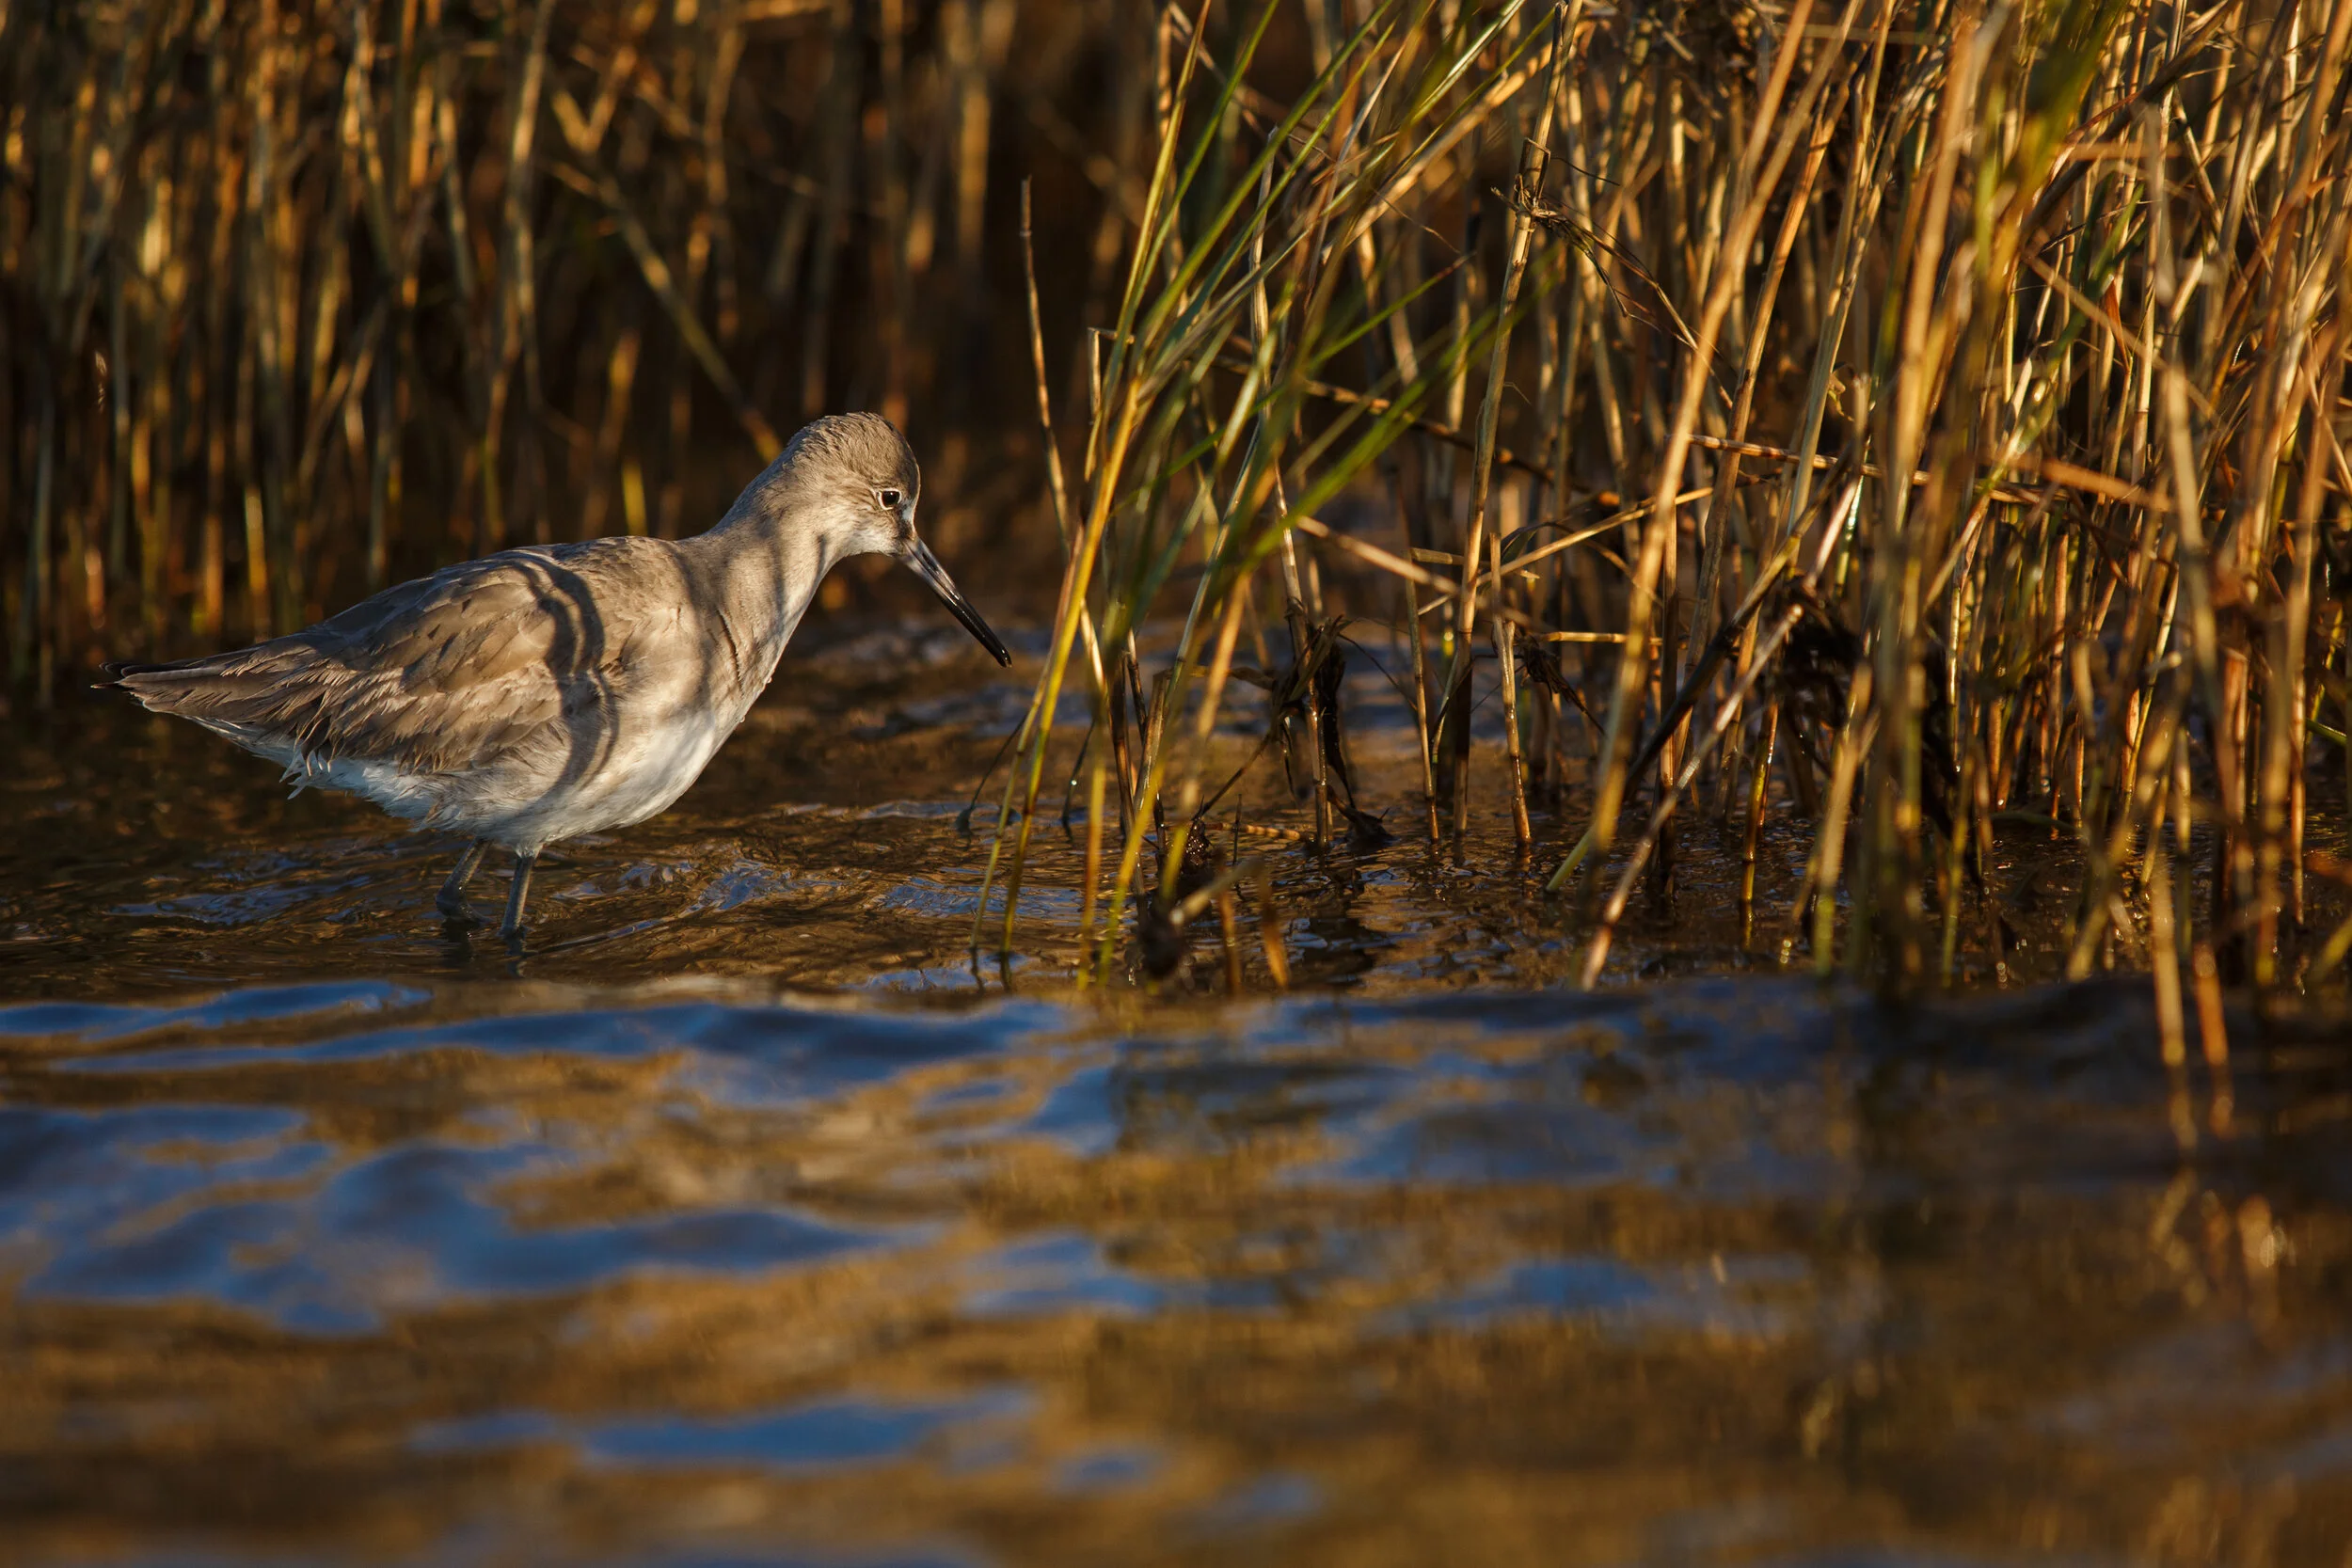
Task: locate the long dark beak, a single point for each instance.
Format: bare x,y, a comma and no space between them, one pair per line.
926,565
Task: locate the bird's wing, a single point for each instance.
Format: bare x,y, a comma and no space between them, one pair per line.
441,675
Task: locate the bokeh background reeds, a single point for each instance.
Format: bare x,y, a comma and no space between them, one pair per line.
304,298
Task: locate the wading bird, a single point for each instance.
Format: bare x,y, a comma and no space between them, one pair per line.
558,689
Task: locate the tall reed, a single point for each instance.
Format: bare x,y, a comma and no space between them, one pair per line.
1938,404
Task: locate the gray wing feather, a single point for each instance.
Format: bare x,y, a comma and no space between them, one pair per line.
446,674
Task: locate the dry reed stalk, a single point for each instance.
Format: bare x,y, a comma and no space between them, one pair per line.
1522,234
1762,164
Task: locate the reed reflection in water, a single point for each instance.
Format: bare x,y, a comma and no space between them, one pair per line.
1726,1271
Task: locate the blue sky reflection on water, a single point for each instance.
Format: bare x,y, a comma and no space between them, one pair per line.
851,1277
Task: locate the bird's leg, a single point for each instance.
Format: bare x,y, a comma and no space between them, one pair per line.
513,929
450,901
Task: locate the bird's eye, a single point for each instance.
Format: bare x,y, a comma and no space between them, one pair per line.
890,500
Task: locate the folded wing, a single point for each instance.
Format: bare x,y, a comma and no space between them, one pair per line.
444,675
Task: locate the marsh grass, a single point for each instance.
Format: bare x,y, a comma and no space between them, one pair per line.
1940,407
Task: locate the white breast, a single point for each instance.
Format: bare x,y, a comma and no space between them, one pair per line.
652,761
652,766
617,763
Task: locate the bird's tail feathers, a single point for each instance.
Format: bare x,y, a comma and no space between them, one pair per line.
247,686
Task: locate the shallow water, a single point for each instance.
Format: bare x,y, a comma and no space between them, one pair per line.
743,1220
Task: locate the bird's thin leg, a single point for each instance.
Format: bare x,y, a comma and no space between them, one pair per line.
450,901
513,929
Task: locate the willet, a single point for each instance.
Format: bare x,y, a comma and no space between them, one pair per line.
558,689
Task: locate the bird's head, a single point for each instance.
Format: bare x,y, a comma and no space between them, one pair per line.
855,480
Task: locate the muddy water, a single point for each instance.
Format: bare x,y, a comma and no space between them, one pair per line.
742,1219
